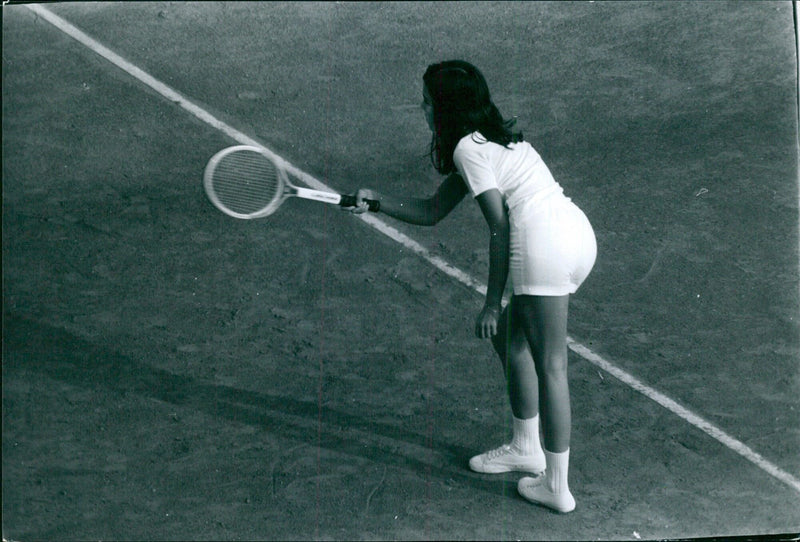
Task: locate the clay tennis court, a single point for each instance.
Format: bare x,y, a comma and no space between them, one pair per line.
171,373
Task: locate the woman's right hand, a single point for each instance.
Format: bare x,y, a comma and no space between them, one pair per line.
361,205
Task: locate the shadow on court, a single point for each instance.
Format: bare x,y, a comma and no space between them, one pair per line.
62,356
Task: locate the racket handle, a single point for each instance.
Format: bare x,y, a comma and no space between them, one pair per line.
350,201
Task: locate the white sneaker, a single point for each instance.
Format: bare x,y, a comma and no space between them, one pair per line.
536,491
506,459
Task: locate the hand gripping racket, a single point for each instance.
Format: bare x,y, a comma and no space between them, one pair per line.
244,182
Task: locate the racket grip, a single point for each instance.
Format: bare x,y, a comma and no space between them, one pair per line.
350,201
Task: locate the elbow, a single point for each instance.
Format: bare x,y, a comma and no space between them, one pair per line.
500,229
500,237
432,215
427,221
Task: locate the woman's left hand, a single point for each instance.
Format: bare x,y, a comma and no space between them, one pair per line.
486,324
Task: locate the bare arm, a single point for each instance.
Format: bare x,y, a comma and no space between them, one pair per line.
419,211
494,211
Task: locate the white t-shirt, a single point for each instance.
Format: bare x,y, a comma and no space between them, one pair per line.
518,172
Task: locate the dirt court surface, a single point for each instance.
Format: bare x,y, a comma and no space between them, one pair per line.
170,373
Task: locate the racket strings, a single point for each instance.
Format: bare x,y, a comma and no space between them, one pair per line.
246,182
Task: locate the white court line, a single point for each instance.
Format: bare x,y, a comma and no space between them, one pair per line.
170,94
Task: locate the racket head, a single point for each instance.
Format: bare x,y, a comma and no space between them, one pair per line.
243,182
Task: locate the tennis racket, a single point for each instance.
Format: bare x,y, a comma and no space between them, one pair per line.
244,182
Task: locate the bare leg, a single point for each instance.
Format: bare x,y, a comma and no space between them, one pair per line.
544,321
511,345
524,453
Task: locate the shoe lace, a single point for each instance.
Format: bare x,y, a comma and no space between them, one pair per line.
505,449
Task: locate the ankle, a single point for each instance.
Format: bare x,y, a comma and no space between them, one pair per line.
526,436
557,471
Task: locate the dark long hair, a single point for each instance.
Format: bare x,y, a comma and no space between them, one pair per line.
462,105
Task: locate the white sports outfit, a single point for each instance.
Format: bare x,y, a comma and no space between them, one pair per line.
552,245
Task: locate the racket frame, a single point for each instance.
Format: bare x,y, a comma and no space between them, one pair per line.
285,188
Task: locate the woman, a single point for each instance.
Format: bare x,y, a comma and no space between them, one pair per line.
539,237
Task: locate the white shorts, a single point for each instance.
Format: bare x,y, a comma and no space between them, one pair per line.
553,247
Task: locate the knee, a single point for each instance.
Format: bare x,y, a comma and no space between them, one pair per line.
553,364
518,348
514,346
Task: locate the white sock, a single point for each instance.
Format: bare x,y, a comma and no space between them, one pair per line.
553,491
526,436
557,470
